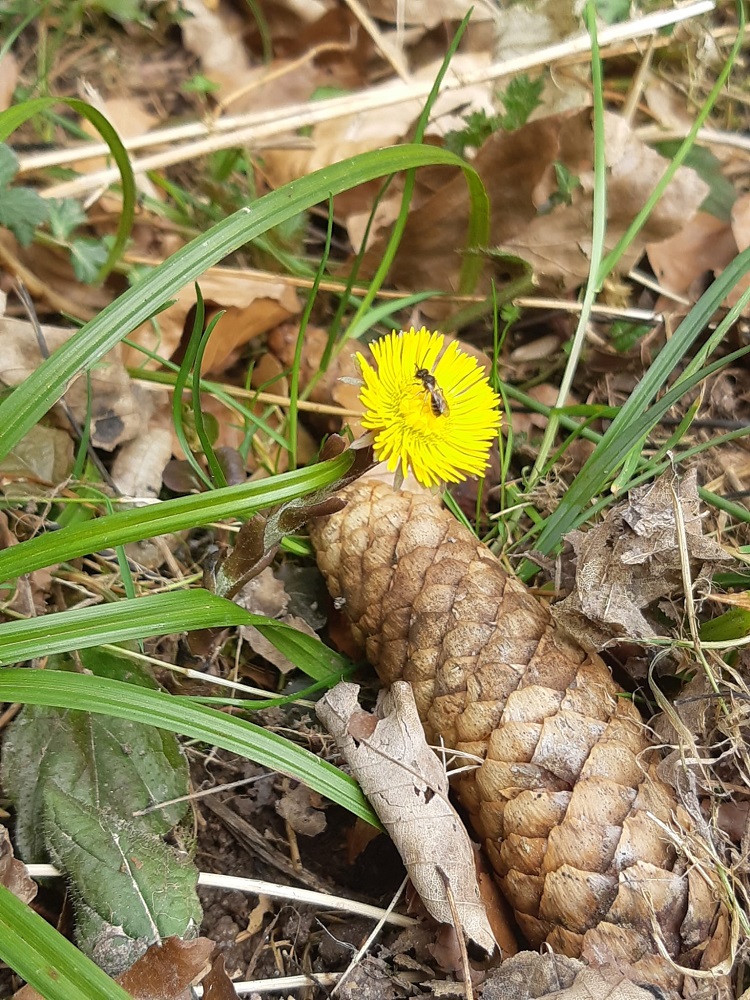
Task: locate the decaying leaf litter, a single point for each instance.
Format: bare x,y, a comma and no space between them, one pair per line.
645,598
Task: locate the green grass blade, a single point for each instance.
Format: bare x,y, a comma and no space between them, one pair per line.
598,232
60,689
629,425
31,400
170,515
120,621
613,257
47,960
17,115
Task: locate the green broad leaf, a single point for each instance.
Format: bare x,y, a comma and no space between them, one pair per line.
65,215
624,335
129,888
103,762
101,695
88,257
613,11
13,117
8,165
46,959
199,84
21,211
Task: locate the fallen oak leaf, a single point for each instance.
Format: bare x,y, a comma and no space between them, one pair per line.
408,789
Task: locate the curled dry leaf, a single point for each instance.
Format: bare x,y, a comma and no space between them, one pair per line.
632,558
408,789
584,837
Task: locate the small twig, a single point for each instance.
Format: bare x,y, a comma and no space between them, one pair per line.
370,938
281,71
562,305
636,88
193,796
264,125
392,53
281,984
260,888
654,286
468,989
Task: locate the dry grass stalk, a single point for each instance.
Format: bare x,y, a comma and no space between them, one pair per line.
580,831
261,126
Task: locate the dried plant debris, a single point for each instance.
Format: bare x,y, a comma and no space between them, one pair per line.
587,843
408,788
13,872
530,976
165,972
632,558
120,410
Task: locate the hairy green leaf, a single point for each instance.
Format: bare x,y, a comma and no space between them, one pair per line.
129,888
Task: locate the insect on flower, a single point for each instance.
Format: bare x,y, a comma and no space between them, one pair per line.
433,390
428,410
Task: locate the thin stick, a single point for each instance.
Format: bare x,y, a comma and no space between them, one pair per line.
370,938
392,53
281,71
561,305
468,989
260,888
281,984
253,127
260,397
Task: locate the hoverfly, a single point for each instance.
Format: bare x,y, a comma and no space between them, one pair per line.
429,384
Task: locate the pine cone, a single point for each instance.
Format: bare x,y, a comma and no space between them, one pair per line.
567,801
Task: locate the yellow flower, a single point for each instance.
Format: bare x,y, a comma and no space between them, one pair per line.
435,415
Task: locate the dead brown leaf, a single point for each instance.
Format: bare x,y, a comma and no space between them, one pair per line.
252,307
8,79
704,245
119,409
530,975
165,972
511,165
425,13
217,985
138,467
266,595
302,810
13,872
631,559
44,454
408,789
558,244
